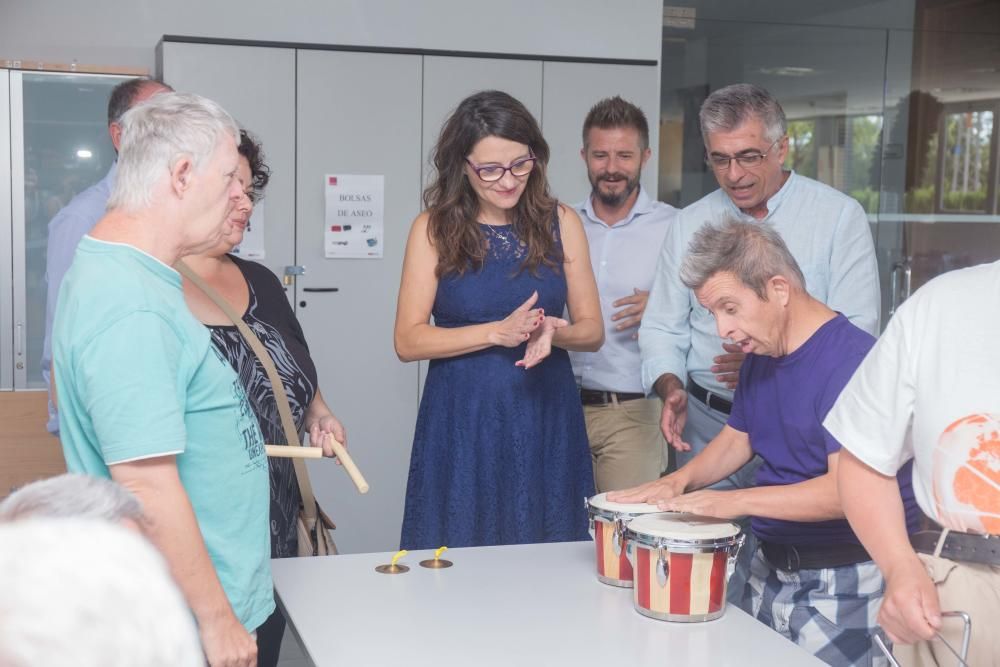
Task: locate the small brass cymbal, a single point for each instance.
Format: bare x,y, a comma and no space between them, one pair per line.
436,563
392,568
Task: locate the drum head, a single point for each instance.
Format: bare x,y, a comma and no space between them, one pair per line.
601,502
683,526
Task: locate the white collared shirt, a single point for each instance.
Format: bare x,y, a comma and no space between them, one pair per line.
623,257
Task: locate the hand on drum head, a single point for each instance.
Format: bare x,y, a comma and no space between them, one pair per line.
654,492
911,611
718,504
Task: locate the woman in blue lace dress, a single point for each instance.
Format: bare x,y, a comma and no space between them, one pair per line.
500,453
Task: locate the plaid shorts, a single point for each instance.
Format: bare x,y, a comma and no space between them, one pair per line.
832,613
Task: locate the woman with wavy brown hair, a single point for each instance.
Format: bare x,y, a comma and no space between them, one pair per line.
500,454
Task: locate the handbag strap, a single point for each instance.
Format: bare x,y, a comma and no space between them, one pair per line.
280,397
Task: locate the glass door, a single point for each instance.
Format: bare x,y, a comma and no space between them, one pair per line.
829,81
904,121
59,147
6,272
948,215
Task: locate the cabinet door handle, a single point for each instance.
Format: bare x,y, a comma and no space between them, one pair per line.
320,289
19,339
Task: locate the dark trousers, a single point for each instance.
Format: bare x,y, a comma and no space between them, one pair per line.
269,636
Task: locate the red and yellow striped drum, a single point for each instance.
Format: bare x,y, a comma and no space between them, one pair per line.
682,563
607,527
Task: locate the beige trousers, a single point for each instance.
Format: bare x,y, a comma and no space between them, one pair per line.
968,587
626,445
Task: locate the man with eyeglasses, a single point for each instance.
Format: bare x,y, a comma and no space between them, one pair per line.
684,360
625,228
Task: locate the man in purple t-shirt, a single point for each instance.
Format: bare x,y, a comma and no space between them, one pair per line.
810,579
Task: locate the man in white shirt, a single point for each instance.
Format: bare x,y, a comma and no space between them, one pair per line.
929,391
625,229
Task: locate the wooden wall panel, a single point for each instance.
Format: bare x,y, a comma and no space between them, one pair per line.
27,451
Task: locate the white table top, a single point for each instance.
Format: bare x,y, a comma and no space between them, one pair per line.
538,604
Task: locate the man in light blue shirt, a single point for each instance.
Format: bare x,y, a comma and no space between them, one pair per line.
625,229
684,361
81,214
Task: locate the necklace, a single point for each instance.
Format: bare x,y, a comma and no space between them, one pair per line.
502,237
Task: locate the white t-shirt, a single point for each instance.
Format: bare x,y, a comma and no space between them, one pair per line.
930,390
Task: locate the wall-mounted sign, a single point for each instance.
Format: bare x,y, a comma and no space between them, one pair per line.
354,223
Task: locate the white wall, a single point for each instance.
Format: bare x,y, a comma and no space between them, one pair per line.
125,32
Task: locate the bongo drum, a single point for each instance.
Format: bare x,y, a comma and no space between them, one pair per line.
607,527
682,564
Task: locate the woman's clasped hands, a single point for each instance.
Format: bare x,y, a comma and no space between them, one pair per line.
530,325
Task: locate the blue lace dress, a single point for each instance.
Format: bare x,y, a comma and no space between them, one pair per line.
500,454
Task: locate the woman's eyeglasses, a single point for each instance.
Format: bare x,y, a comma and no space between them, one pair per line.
494,172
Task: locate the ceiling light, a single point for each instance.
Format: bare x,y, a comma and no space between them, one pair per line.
788,71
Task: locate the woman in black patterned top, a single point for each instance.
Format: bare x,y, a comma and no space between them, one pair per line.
254,291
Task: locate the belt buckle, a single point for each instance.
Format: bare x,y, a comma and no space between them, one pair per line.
790,552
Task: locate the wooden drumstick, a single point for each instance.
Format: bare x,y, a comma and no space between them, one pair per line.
349,466
293,452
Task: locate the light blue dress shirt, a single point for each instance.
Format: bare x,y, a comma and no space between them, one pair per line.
623,256
826,231
66,229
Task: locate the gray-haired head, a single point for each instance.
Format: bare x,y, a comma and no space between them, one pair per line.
72,495
728,108
125,95
89,593
159,132
753,252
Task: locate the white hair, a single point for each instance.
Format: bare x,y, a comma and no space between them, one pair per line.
90,594
728,108
72,495
156,134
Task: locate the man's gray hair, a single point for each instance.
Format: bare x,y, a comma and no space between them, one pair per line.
753,252
90,594
72,495
728,108
159,132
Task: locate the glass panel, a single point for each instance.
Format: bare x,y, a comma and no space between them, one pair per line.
66,150
963,179
834,104
904,121
949,214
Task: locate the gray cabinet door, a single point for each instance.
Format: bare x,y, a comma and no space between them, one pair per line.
257,86
570,90
359,113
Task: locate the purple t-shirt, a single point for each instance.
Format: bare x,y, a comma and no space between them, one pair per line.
781,403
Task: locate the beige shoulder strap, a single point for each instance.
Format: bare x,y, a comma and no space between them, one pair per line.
280,397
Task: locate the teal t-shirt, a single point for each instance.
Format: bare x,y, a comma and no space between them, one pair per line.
138,377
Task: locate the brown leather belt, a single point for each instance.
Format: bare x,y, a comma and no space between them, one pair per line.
594,397
791,558
962,547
